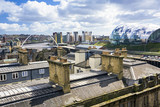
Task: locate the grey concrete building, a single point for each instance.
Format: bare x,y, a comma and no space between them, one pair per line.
69,36
76,37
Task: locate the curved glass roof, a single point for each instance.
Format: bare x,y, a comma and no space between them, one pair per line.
155,36
127,32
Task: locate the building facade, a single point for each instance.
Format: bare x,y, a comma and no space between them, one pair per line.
13,74
76,38
87,36
58,37
69,36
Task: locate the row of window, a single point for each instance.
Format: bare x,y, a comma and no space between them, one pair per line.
15,75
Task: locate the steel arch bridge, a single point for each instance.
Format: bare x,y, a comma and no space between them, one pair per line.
32,35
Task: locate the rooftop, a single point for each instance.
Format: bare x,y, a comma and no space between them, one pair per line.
33,65
70,56
131,62
40,92
84,64
138,69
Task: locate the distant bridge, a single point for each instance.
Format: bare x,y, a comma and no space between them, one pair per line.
33,35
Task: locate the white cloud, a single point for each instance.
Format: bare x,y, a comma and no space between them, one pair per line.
13,18
8,7
38,11
99,16
38,27
13,27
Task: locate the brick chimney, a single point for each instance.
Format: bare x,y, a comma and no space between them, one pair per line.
112,64
23,56
59,72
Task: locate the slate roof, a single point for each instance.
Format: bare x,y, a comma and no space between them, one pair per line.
1,50
42,94
84,75
139,69
10,64
84,64
131,62
96,56
70,56
40,64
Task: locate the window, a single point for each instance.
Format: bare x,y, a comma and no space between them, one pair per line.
24,73
41,71
15,75
123,104
79,71
131,103
145,101
3,77
156,99
70,67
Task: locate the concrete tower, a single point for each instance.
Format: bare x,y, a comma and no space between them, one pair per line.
83,36
68,36
76,38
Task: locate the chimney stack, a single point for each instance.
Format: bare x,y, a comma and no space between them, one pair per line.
23,56
112,64
53,58
59,72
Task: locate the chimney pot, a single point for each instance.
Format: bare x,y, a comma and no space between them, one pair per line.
89,47
105,53
53,58
94,47
117,50
63,60
124,49
117,54
59,47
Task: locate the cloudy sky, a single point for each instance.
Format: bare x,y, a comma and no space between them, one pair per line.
98,16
